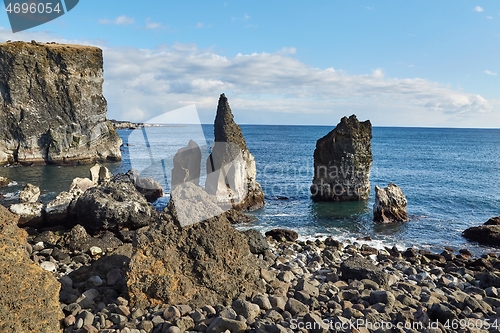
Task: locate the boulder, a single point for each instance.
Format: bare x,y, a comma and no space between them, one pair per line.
30,295
51,108
493,221
359,268
390,205
4,181
231,169
148,187
342,162
58,210
77,239
282,235
187,165
81,185
257,242
202,263
236,217
29,194
30,214
100,174
484,234
113,206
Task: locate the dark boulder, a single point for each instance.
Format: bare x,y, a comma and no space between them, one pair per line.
148,187
282,235
359,268
342,162
113,206
187,165
257,242
486,234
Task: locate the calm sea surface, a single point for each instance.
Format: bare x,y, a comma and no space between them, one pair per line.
451,178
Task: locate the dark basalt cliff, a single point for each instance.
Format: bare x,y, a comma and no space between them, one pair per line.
51,105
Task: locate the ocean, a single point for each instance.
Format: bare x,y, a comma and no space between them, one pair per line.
451,178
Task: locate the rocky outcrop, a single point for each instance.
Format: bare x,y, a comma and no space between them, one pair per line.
390,205
31,212
486,234
51,105
148,187
100,174
113,206
187,164
283,235
203,263
29,299
29,194
231,169
342,162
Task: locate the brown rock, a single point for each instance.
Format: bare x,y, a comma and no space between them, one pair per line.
390,205
29,299
187,164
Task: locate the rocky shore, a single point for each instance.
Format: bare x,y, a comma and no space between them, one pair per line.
309,286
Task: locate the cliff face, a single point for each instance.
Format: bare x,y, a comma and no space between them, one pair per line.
51,105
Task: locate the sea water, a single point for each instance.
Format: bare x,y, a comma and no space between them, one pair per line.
451,178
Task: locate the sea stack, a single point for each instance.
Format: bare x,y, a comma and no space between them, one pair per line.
231,170
52,110
342,162
390,205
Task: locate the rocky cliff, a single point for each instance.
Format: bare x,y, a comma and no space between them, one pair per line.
231,169
342,162
51,105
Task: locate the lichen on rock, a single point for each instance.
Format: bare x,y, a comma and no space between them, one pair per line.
52,110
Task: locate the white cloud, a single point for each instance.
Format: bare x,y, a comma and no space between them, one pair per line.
368,8
489,17
478,9
378,73
199,25
120,20
490,73
150,25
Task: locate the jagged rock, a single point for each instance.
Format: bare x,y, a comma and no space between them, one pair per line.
342,162
51,108
235,217
231,170
148,187
113,206
4,181
29,299
58,210
81,184
187,164
359,268
77,239
29,194
100,174
282,235
258,243
30,214
486,234
390,205
203,263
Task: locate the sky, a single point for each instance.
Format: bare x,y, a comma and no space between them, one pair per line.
398,63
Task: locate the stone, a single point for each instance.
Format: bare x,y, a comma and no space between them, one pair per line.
77,239
80,185
231,168
442,313
148,187
52,110
29,300
30,214
221,325
113,206
390,205
359,268
342,162
262,301
282,235
29,194
382,296
184,323
487,234
4,181
257,242
203,263
48,266
295,307
57,211
100,174
187,164
235,217
246,309
493,221
171,313
316,324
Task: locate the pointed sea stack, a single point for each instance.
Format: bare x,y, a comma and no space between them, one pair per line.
342,162
231,170
52,110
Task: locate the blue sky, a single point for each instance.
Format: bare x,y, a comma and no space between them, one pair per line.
397,63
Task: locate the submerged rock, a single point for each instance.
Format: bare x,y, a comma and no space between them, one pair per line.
203,263
486,234
390,205
342,162
231,169
51,108
29,299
